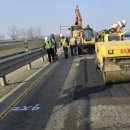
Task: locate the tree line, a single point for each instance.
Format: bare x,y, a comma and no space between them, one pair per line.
16,33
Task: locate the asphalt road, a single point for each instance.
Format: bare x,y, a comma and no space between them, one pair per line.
72,97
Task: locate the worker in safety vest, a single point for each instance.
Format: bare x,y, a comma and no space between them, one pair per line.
118,26
53,40
64,44
50,49
73,46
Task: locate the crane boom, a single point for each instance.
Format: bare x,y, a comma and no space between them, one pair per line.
78,17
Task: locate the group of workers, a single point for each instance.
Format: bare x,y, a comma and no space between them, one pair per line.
51,47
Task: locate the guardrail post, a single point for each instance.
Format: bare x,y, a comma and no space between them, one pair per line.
42,52
29,66
3,81
26,45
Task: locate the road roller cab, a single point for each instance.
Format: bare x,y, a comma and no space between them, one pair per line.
113,58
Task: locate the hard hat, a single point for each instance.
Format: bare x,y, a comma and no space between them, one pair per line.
52,35
46,39
124,22
61,35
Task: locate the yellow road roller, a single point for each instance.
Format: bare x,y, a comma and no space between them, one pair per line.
113,58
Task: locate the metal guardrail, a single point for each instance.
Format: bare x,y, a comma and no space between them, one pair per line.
10,64
15,58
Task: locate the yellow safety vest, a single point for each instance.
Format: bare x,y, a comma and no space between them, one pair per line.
64,43
52,42
48,45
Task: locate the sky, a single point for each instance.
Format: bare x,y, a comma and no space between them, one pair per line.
50,14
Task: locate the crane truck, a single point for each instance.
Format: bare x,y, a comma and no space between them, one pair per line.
84,36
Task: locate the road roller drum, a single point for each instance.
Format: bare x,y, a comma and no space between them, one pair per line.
117,76
117,71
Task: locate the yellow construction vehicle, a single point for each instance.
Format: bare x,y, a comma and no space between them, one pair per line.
77,29
84,37
113,57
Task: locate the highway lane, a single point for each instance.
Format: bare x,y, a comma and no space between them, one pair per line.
46,95
72,97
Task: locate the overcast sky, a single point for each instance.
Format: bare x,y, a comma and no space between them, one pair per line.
50,14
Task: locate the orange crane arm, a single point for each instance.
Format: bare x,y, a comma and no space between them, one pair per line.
78,17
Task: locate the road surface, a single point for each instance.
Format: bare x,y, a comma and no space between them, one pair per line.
72,96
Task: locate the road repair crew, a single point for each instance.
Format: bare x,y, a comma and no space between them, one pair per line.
73,46
53,40
50,49
65,44
117,27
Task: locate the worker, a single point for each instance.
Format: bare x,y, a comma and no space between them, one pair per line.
117,27
53,40
88,27
64,44
50,49
73,46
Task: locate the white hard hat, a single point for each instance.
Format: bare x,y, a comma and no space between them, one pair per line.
46,38
124,22
61,35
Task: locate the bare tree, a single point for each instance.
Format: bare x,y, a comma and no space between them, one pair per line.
14,32
39,32
23,34
31,33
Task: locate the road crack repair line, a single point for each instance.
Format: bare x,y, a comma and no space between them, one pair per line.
60,112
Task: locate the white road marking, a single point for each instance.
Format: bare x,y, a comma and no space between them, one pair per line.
26,108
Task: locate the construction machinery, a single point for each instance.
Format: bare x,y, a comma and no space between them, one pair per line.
84,36
113,57
77,29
